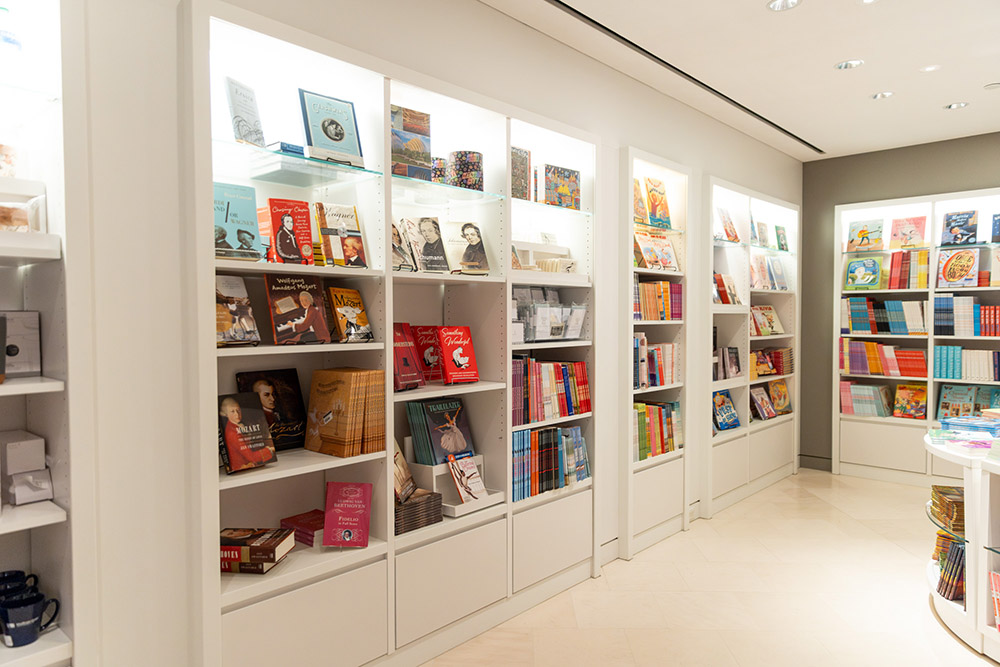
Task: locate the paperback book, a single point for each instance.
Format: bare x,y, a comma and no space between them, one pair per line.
331,129
346,415
639,214
439,428
465,475
782,237
402,251
958,268
959,228
520,173
348,514
911,401
236,226
763,235
349,316
244,438
863,273
243,113
864,236
340,236
562,187
724,411
297,309
464,249
995,238
411,143
406,367
458,356
728,228
281,401
908,233
403,484
656,195
290,230
428,352
761,402
778,391
427,244
234,320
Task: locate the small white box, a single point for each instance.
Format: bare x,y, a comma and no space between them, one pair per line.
30,487
23,349
21,451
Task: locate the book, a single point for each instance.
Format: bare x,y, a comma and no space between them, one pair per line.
562,187
766,319
236,226
339,234
331,129
727,225
424,235
664,249
234,320
724,411
308,527
241,567
403,484
643,252
255,545
289,228
863,273
763,236
243,113
958,268
458,356
777,273
910,401
995,237
762,402
406,367
297,309
864,236
465,474
956,401
656,196
347,512
959,228
731,294
346,412
423,508
463,244
907,233
439,427
411,142
281,401
349,317
995,596
732,357
639,214
520,173
428,352
244,438
402,250
781,236
778,391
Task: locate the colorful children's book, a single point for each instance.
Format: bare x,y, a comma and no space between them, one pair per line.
727,225
781,236
908,233
956,401
779,396
664,249
340,234
762,402
348,514
639,214
298,311
864,236
863,273
958,268
777,273
644,255
767,320
562,187
763,235
959,228
724,411
656,196
520,173
237,234
911,401
349,316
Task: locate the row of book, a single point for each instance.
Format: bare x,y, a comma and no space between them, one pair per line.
909,269
759,236
771,361
657,428
659,301
858,357
548,458
964,316
301,311
770,401
958,228
654,365
724,289
951,584
726,363
423,354
859,314
960,267
767,273
764,321
548,389
907,401
952,362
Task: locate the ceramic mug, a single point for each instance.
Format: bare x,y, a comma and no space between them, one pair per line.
15,576
21,618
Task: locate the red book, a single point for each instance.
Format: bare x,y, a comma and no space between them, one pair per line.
894,270
406,368
255,545
722,288
428,352
290,226
458,357
348,513
871,316
904,272
298,309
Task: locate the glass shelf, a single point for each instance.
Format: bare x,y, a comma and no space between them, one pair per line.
235,160
995,550
956,535
538,206
884,251
723,243
959,246
406,190
768,249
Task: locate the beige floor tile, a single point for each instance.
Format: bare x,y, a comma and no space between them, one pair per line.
556,612
677,549
730,549
494,647
615,609
582,648
644,576
777,649
680,648
721,577
704,611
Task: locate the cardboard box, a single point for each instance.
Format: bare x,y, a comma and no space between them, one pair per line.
30,487
21,451
23,349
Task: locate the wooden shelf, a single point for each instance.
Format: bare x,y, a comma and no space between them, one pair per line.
290,463
654,461
53,647
549,279
26,248
257,268
553,495
438,390
552,422
283,350
15,518
32,385
550,345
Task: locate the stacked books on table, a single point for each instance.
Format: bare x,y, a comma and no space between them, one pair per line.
421,509
974,424
254,550
858,357
308,527
948,507
861,314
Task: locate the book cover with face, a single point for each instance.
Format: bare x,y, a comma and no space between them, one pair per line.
281,401
464,247
297,309
244,437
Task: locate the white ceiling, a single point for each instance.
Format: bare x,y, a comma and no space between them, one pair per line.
780,65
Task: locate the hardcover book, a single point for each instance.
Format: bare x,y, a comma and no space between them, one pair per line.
656,195
243,112
639,213
767,320
996,228
331,129
447,428
255,545
406,368
308,527
428,352
779,396
956,401
402,251
762,402
411,143
236,227
864,236
863,273
340,235
297,309
234,320
664,250
562,187
244,438
781,236
908,233
458,357
427,244
281,401
643,254
403,483
466,476
241,567
350,318
911,401
777,273
959,228
290,230
727,225
520,173
724,410
348,514
958,268
463,243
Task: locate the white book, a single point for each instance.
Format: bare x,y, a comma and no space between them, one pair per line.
244,114
914,317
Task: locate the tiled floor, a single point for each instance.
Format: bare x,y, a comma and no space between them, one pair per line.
817,570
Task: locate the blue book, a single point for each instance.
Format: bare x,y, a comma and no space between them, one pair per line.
976,319
569,392
331,129
726,416
561,444
237,235
996,228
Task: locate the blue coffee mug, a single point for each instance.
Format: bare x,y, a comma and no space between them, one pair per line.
16,576
21,618
22,590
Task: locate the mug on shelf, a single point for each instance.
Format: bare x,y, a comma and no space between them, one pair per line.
17,576
21,618
16,588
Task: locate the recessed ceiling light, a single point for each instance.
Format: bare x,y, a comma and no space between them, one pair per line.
782,5
992,86
868,2
850,64
930,68
957,105
881,96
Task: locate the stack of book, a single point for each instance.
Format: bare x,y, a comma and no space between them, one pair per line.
942,545
656,429
440,428
308,527
424,354
658,301
547,459
865,400
724,289
548,389
859,314
354,399
909,269
952,362
948,507
867,358
421,509
782,359
654,365
254,550
951,585
973,424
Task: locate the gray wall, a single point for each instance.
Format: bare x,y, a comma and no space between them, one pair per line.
946,166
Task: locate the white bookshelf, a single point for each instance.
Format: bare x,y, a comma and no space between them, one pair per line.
743,460
655,492
885,447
